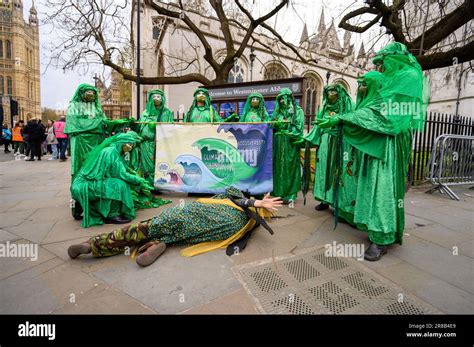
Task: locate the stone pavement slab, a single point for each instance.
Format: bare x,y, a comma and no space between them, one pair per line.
175,283
439,293
13,265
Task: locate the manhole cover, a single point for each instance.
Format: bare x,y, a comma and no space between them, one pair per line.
312,283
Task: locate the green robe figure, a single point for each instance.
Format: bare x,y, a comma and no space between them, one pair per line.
103,186
286,155
336,100
255,110
85,124
202,111
381,129
156,111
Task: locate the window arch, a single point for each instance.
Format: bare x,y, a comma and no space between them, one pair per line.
313,85
237,74
9,49
275,71
344,85
2,86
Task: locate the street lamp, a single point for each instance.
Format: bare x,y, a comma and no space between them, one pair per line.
138,57
252,59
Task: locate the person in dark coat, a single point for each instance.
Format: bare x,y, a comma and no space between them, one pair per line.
34,137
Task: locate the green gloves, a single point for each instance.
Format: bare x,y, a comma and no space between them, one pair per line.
328,123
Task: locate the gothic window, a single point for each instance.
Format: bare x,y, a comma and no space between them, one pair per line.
9,86
236,75
2,86
9,49
1,48
312,92
274,72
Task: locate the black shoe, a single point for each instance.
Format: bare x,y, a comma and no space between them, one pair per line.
7,151
117,220
375,252
39,159
30,159
321,207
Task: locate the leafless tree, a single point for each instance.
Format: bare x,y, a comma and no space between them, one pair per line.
98,31
425,39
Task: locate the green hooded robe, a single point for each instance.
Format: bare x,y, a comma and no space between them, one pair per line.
381,130
327,141
286,155
202,114
252,115
103,186
146,148
85,125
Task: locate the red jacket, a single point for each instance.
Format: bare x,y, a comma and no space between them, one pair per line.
59,129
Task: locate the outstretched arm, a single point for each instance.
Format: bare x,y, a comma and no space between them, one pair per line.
269,203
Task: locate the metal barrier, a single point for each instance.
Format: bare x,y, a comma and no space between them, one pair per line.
451,163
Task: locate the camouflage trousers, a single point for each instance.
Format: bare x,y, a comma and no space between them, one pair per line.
119,240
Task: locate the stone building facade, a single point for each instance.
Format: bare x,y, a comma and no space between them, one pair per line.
115,99
169,48
19,60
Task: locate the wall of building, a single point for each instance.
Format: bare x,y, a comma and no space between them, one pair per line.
24,65
179,46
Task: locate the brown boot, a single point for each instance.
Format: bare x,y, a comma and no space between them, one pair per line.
151,254
76,250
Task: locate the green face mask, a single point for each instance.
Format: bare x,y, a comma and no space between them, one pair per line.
362,88
127,147
332,96
89,96
200,97
255,102
158,100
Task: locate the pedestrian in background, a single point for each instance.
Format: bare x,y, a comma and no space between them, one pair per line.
17,138
51,140
6,137
44,143
35,136
61,137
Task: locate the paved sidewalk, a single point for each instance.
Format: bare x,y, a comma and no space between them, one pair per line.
435,263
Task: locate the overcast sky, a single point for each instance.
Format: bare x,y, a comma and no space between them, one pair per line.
58,87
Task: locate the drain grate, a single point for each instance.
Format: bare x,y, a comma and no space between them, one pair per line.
333,297
368,288
268,280
312,283
293,304
301,270
403,308
332,263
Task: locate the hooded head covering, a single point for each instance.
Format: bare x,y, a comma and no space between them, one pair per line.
371,97
82,116
403,83
343,102
91,167
291,103
153,114
207,103
262,109
367,141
